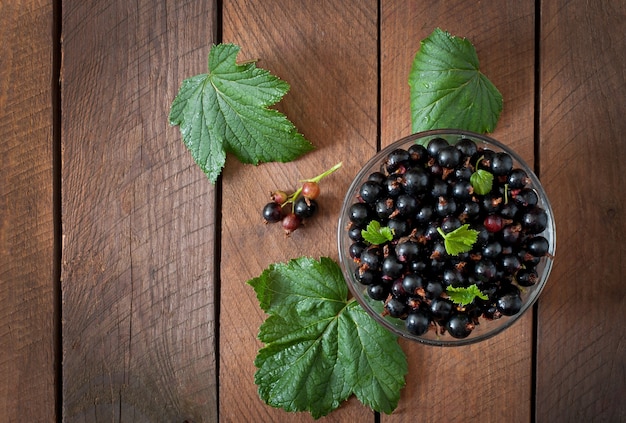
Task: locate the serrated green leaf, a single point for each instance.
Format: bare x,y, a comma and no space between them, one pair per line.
447,88
226,110
460,240
465,295
375,234
365,349
319,347
482,181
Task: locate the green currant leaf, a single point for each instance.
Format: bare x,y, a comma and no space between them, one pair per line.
464,296
459,240
481,181
319,347
447,88
375,234
226,110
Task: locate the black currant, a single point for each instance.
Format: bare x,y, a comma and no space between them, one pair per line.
501,164
459,325
417,323
435,145
371,191
305,207
272,212
359,214
449,156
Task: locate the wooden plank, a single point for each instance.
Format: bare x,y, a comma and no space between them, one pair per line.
138,217
492,380
327,52
27,256
581,373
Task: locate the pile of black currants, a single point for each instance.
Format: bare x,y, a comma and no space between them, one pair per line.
293,209
423,193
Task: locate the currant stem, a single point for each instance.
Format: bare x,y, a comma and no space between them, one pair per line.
324,174
292,198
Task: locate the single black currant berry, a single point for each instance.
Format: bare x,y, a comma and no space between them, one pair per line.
367,276
355,233
397,158
441,308
406,205
527,277
356,248
359,214
385,207
511,263
526,197
492,250
535,220
424,214
537,246
418,154
371,191
372,257
459,325
377,177
378,292
407,251
395,307
399,227
417,323
445,206
501,164
462,190
305,207
449,156
518,178
435,145
434,289
439,188
393,185
485,270
272,212
411,283
509,303
416,181
510,234
467,147
392,268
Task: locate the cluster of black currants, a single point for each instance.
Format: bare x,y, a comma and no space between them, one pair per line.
425,191
291,210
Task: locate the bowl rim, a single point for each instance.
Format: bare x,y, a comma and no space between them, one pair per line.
343,243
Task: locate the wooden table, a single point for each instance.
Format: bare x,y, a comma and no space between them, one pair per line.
123,291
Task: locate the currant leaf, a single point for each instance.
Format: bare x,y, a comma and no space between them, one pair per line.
447,88
460,240
319,347
465,295
376,234
227,110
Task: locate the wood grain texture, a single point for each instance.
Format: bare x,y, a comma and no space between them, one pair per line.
27,270
581,358
327,52
138,217
490,381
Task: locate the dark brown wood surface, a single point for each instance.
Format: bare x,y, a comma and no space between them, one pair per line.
157,322
28,366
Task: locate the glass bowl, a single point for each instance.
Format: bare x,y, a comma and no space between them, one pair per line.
508,269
